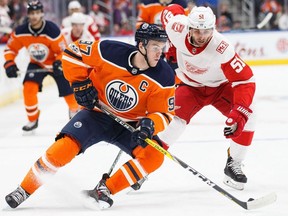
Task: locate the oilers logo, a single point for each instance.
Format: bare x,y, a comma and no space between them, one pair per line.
38,52
121,96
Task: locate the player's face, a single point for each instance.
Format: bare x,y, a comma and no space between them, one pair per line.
154,51
77,29
200,37
35,18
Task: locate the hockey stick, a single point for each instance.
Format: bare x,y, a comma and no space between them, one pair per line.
115,162
265,20
250,204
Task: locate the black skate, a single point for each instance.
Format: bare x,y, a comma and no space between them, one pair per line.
101,194
30,126
15,198
234,176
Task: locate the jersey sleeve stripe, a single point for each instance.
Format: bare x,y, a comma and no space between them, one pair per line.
73,55
251,80
73,61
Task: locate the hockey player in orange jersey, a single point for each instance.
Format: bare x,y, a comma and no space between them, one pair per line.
150,10
134,83
45,44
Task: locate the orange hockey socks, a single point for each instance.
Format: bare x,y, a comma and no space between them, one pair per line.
30,91
57,155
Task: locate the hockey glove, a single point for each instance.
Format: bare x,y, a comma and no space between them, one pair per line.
145,129
11,69
236,121
85,93
57,68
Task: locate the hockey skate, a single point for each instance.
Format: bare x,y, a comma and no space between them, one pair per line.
16,197
101,195
30,126
234,176
138,184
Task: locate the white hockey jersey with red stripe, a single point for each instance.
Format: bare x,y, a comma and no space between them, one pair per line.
212,65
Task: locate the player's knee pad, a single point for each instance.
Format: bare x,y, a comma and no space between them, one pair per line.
149,158
30,88
62,151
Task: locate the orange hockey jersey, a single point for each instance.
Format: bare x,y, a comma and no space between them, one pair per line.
150,11
128,92
44,46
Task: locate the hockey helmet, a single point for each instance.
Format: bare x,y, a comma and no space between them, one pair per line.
74,5
165,2
78,18
201,18
148,32
34,5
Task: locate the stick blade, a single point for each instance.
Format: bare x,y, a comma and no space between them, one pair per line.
262,201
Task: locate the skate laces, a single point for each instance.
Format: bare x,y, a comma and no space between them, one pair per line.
236,167
102,189
19,195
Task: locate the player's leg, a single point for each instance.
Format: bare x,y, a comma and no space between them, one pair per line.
59,154
32,84
85,129
234,175
188,102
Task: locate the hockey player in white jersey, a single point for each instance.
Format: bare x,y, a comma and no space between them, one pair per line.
77,30
211,73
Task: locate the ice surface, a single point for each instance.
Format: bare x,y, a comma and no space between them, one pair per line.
169,191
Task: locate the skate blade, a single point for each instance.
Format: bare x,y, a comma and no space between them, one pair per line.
29,133
91,203
231,183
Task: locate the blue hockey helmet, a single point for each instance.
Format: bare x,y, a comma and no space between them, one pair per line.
148,32
34,5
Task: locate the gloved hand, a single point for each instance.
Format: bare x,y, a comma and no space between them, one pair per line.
57,68
11,69
236,121
85,93
170,55
145,129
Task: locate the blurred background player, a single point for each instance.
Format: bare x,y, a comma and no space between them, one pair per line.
90,24
5,22
136,74
211,73
45,44
150,10
77,30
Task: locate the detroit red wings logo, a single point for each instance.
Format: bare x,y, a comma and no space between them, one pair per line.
194,69
178,27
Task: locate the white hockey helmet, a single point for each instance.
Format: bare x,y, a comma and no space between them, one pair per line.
74,5
201,18
77,18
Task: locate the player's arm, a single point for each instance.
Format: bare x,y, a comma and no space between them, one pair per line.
78,61
170,12
160,107
242,80
10,53
79,58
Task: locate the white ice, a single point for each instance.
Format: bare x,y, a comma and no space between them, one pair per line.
169,191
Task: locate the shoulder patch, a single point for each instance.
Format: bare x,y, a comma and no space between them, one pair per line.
222,47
